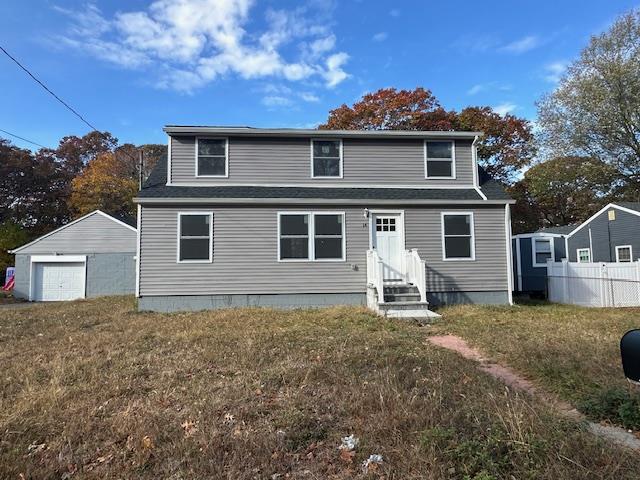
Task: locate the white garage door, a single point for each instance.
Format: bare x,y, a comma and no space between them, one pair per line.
55,281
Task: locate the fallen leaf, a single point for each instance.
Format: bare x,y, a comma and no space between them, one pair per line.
147,443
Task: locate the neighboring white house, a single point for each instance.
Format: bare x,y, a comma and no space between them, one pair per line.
89,257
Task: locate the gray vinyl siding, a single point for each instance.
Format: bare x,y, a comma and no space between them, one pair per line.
94,234
606,235
279,160
245,254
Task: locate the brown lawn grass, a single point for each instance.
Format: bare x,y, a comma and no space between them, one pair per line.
93,389
571,351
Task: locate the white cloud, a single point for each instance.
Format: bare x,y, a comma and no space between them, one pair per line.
476,89
309,97
187,44
483,87
522,45
554,71
334,73
380,37
276,101
504,108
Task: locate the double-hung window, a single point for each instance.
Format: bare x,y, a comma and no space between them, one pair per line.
212,157
311,236
326,158
584,255
624,254
195,237
458,240
542,251
439,159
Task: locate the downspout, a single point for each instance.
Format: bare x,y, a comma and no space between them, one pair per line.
474,156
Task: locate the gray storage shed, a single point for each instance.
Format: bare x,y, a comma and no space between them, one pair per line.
92,256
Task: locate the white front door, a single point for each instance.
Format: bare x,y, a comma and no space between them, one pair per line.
58,281
387,239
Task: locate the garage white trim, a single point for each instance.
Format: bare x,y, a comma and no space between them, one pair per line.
39,261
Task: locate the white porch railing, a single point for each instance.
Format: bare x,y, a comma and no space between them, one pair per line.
415,272
374,273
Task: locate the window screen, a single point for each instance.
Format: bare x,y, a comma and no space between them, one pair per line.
458,236
212,157
311,236
294,236
439,159
328,236
196,237
326,158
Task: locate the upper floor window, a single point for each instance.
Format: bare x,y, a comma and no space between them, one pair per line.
211,157
439,159
542,251
458,236
326,158
623,254
195,237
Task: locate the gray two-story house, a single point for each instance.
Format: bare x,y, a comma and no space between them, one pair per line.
397,220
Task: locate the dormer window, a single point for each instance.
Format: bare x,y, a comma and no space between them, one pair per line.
439,159
326,158
212,157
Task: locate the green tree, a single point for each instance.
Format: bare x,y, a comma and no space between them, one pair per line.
12,235
566,190
595,111
506,147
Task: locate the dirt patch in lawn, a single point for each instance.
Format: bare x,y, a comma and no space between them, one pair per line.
93,389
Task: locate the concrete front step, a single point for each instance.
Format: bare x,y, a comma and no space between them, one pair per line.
400,288
421,313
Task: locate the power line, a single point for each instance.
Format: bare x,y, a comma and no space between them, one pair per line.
47,89
22,138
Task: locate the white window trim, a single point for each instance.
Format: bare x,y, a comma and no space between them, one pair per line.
533,250
453,161
620,247
311,239
341,157
179,234
578,250
473,237
226,157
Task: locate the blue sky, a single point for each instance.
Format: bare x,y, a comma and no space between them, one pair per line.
131,67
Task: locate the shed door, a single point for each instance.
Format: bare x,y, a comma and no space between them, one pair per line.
58,281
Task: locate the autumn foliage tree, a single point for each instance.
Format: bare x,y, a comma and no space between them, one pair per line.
506,147
109,182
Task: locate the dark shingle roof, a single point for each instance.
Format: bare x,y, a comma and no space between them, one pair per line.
155,187
560,229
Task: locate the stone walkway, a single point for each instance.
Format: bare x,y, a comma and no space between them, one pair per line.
513,379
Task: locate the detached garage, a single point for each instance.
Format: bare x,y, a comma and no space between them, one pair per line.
92,256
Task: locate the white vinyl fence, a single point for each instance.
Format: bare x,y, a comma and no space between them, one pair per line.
594,284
